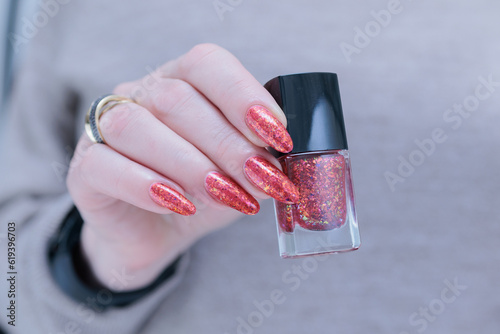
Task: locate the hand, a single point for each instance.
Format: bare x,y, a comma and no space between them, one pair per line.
200,130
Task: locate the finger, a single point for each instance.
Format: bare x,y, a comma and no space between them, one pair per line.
128,181
177,104
134,132
219,76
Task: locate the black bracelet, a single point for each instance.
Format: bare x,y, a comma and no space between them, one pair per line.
71,271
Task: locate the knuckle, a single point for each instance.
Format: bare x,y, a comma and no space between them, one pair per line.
240,87
179,87
203,49
171,97
182,158
134,89
196,55
121,178
124,88
117,120
226,140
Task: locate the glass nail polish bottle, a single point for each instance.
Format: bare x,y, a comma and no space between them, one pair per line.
324,221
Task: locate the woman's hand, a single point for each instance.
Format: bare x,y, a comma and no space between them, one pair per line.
199,127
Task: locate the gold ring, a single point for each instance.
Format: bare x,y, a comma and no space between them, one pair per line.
95,112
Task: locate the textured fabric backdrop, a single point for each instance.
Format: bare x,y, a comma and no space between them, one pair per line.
429,260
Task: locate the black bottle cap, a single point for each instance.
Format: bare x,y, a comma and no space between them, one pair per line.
311,103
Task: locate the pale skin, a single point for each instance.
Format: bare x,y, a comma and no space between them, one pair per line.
189,123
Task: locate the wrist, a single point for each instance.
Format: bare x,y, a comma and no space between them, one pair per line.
122,266
70,270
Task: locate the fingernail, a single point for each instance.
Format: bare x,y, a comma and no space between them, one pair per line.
230,193
171,199
268,128
271,180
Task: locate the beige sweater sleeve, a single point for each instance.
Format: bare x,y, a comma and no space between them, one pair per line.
36,147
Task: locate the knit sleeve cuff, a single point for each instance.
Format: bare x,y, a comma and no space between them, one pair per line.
72,272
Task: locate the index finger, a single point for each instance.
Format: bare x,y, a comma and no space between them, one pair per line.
246,104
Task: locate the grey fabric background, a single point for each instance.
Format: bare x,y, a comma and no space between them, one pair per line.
437,228
15,15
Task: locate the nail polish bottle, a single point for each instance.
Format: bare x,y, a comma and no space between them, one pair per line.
324,220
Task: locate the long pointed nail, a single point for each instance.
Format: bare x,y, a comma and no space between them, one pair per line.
171,199
230,193
271,180
268,128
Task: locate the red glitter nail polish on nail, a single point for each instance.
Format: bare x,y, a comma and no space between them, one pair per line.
171,199
228,192
265,176
268,128
324,219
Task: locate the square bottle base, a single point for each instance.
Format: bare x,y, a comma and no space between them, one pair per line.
302,242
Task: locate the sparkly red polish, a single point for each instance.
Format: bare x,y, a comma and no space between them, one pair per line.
321,179
268,128
265,176
228,192
323,220
171,199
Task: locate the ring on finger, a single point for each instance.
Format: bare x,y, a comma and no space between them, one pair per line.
100,106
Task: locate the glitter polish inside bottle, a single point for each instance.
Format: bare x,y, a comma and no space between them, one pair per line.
324,220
